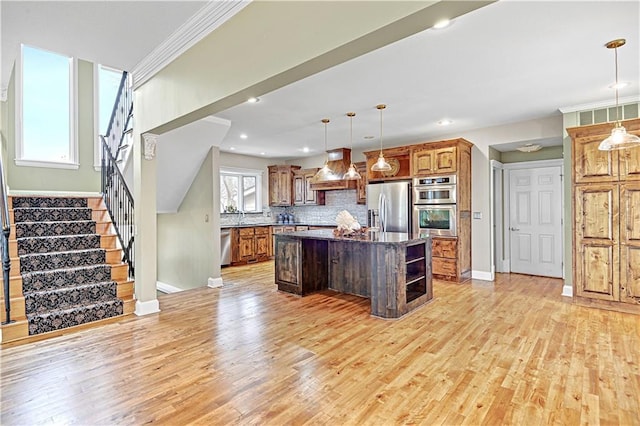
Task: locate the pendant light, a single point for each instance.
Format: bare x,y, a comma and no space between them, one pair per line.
381,165
352,173
619,138
325,172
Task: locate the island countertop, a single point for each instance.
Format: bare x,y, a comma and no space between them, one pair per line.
392,269
367,237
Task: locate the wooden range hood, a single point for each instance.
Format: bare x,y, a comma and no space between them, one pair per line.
339,162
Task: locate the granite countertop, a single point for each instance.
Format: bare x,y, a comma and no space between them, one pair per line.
368,237
249,225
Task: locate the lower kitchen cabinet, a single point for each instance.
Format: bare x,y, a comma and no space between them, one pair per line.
447,261
250,244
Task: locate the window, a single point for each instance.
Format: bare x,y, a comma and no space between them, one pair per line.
46,118
240,190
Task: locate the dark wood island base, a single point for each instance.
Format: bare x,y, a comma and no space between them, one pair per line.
392,269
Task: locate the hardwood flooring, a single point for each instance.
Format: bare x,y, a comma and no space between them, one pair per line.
509,352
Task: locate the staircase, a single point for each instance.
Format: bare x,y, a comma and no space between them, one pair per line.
66,267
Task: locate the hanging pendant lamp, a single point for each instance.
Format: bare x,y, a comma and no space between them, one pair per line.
325,173
381,165
619,138
352,173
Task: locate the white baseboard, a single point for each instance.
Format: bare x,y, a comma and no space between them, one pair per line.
146,308
167,288
567,290
482,275
23,192
215,282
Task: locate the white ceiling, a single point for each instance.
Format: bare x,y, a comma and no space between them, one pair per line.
507,62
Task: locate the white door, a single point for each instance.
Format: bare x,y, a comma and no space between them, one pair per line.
535,221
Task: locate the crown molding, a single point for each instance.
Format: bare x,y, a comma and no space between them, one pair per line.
3,94
207,19
598,105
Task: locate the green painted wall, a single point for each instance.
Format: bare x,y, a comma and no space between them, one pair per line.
546,153
186,243
85,178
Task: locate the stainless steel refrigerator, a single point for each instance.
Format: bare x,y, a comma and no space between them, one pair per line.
389,206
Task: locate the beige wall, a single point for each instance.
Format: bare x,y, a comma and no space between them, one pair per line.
85,179
187,248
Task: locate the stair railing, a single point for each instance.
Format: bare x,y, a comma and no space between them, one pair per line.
119,202
120,117
6,230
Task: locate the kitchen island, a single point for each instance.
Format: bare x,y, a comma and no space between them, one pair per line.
392,269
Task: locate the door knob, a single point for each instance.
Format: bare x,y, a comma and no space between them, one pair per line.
514,229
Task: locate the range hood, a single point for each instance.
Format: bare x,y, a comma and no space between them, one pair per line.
339,162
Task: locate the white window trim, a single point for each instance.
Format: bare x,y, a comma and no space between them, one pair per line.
73,125
247,172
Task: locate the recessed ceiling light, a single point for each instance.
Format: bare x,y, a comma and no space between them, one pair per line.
233,148
445,122
262,153
442,24
368,137
619,85
305,149
243,136
253,100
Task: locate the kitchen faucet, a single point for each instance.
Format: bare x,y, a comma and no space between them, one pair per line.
240,216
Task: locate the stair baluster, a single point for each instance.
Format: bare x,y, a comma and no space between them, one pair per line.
119,202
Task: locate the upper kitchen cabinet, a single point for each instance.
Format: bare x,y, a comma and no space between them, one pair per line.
281,185
398,158
592,165
436,161
303,195
440,158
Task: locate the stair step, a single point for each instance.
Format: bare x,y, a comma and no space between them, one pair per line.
57,243
63,259
59,319
51,214
45,202
39,302
50,229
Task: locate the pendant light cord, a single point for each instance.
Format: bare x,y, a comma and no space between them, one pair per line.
380,131
617,107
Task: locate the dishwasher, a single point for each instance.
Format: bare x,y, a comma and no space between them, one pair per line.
225,246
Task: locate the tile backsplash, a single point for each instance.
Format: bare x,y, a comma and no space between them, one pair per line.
335,202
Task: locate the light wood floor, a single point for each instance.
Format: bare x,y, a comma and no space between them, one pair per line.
509,352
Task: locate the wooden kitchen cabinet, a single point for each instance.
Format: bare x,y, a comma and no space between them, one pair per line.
434,161
303,195
250,244
597,263
361,184
447,262
606,226
399,158
281,185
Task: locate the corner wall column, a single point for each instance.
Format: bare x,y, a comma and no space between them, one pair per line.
145,182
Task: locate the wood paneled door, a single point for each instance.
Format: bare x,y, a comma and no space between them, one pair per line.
535,221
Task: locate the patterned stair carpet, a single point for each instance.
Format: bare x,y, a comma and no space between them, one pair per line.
65,278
